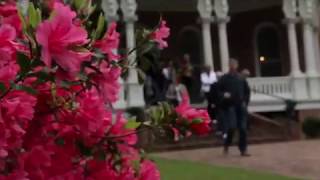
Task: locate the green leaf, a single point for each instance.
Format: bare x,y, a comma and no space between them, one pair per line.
144,63
83,77
141,76
147,47
34,16
42,77
2,87
84,150
101,155
79,4
68,84
92,8
36,63
167,110
24,63
39,16
60,141
156,114
136,165
197,121
132,124
100,26
27,89
22,19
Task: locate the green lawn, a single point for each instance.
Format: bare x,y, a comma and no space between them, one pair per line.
184,170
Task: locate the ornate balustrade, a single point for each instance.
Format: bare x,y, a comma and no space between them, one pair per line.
271,88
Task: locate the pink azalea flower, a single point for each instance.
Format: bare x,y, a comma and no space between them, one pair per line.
118,129
100,170
149,171
8,9
17,109
110,86
90,114
108,82
7,45
50,3
8,73
35,162
9,15
59,38
110,42
15,22
17,175
191,114
160,34
18,105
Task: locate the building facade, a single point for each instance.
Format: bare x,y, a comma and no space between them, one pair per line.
277,40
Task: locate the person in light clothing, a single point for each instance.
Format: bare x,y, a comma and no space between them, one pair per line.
208,77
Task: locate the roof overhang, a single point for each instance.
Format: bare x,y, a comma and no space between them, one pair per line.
236,6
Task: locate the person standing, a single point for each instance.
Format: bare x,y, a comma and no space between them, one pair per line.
175,93
186,72
232,88
208,77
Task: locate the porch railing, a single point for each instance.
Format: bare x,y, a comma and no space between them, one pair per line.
264,88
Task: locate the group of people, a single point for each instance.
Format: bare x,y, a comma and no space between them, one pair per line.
169,83
228,96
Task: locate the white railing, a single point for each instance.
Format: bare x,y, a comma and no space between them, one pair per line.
270,88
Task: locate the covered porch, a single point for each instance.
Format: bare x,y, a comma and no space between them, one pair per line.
293,69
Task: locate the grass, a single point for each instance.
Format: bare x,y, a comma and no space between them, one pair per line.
184,170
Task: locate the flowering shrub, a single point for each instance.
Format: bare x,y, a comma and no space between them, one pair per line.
58,80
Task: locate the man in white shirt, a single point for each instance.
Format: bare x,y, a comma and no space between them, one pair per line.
208,77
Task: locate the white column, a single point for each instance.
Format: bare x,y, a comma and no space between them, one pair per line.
293,48
221,8
131,44
309,51
110,8
207,42
23,5
205,10
307,13
311,64
316,23
317,48
223,42
135,90
299,82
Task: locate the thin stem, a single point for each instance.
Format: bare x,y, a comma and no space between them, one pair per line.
8,90
129,134
5,93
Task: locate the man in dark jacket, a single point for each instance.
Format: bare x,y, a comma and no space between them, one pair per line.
232,88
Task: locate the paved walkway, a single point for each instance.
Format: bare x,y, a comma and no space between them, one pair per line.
296,159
